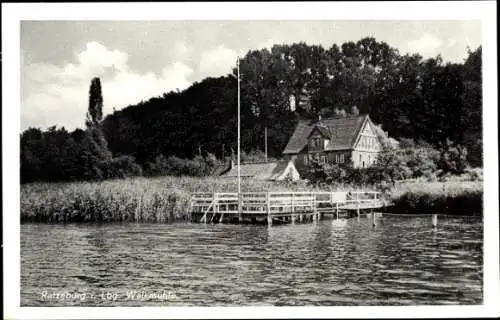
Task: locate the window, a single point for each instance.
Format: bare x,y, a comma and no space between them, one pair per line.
337,158
341,158
323,159
315,142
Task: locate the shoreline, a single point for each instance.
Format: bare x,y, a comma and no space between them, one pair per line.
165,199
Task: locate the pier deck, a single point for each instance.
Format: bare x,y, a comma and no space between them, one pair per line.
280,206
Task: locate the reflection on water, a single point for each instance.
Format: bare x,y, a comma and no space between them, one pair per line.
400,261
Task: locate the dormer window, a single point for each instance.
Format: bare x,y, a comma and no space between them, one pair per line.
315,142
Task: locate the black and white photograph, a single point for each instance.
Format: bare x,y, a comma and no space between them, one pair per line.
196,159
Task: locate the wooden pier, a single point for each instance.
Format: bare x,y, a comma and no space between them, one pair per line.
280,207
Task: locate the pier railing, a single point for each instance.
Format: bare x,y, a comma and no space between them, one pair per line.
288,206
272,203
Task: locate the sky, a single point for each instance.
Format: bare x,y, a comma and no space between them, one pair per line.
137,60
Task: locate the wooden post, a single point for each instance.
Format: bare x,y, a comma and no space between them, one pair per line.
214,207
434,220
372,215
268,210
357,203
315,210
337,210
240,209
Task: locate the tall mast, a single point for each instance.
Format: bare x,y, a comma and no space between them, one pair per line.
240,212
238,64
265,141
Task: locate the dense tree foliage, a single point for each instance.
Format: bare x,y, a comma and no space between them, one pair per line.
424,100
94,114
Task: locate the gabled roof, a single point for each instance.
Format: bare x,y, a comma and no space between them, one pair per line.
323,130
220,169
342,133
260,171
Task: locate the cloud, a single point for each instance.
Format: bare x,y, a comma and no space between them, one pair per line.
58,95
181,50
217,61
98,56
425,45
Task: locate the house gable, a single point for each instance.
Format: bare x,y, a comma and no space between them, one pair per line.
318,139
367,139
342,134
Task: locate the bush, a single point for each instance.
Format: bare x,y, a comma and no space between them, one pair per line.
464,203
121,167
453,159
336,174
175,166
254,155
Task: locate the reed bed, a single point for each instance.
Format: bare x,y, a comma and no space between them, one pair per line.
456,197
135,200
165,199
126,200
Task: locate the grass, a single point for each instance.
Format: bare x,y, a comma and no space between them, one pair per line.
135,199
167,198
455,196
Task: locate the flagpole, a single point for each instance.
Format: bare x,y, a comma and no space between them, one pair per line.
240,217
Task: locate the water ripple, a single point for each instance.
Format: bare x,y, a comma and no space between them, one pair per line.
330,263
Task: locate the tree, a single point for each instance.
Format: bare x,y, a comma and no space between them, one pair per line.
453,158
354,111
409,96
94,114
98,145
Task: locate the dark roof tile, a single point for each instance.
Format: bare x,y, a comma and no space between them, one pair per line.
342,133
260,171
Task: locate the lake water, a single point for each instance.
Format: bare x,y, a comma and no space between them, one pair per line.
401,261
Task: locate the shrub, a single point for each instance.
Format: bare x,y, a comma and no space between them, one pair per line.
453,158
254,155
175,166
463,203
121,167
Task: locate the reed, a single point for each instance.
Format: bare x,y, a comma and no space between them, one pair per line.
165,199
454,197
136,199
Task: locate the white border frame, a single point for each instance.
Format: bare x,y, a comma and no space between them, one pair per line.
12,14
